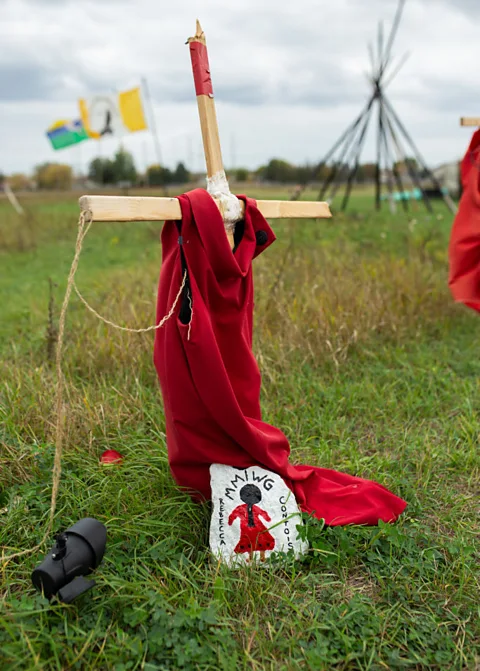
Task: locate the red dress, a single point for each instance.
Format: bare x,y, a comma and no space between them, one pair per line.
210,380
252,539
464,250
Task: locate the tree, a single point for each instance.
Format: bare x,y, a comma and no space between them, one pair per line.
360,175
157,175
54,176
17,182
101,171
278,171
181,174
241,174
369,171
322,172
124,167
407,164
304,174
121,169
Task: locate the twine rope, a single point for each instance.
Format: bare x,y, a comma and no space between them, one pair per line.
84,223
217,187
154,327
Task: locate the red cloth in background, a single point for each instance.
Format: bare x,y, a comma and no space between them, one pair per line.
210,380
464,249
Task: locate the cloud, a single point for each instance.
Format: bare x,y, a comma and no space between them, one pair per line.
287,81
26,82
277,57
468,7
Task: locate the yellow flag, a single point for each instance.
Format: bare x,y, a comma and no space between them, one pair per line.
113,114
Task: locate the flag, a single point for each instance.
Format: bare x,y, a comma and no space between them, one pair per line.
113,114
65,133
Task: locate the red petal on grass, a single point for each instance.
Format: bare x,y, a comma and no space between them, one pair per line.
111,457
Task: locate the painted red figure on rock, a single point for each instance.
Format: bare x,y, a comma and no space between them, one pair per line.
254,535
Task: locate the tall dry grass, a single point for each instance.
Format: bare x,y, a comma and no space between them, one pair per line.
317,305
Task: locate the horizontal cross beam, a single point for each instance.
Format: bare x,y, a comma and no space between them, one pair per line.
144,208
470,121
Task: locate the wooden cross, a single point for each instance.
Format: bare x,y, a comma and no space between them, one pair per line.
141,208
470,121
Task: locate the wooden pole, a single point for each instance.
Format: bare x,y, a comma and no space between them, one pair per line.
206,108
143,208
205,102
378,169
470,121
12,199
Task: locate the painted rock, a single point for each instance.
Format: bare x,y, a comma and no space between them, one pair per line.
254,514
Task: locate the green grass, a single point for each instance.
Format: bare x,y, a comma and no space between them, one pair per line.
368,367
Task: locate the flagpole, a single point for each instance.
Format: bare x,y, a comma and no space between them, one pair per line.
233,157
153,126
80,164
145,162
190,159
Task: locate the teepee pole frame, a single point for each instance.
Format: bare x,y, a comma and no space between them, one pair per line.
389,128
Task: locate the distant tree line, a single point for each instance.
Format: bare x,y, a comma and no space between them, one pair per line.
281,171
157,175
107,171
53,176
121,169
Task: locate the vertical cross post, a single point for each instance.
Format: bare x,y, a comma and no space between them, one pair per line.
206,108
205,102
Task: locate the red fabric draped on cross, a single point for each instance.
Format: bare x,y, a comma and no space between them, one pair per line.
464,250
210,380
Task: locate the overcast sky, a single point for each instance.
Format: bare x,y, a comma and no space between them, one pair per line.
288,76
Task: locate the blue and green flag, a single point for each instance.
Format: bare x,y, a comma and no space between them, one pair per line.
66,133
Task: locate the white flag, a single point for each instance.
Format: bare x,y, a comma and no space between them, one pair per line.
113,114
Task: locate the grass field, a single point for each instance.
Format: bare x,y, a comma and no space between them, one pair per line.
367,366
